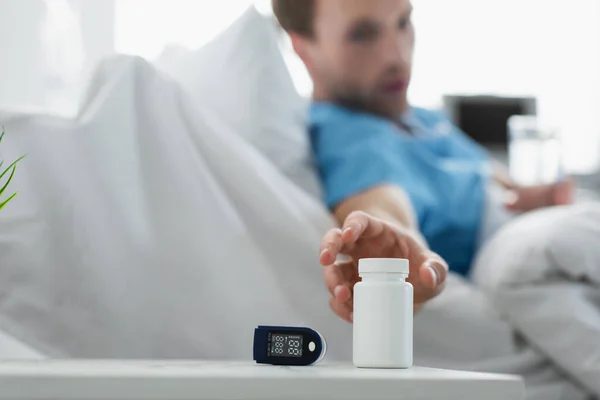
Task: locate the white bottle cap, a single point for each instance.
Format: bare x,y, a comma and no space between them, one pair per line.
383,266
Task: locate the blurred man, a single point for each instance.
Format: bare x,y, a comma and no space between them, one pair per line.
402,181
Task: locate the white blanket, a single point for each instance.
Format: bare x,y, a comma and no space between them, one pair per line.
542,272
145,228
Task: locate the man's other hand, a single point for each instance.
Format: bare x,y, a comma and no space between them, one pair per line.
527,198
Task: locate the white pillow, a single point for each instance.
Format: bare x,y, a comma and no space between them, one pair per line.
243,76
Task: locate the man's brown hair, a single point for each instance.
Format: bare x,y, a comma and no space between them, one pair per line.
295,15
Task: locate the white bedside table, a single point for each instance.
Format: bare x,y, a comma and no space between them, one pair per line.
196,380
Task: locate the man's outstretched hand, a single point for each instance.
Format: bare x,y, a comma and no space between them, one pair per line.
364,236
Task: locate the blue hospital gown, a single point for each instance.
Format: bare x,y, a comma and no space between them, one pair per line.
442,170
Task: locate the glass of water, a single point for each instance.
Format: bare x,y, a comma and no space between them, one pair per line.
534,151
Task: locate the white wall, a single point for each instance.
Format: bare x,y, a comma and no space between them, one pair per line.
21,54
546,48
145,27
97,24
98,28
48,46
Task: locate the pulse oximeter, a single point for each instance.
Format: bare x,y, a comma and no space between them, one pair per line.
280,345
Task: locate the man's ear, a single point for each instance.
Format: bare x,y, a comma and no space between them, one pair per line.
303,47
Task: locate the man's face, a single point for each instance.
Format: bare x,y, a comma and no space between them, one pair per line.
361,53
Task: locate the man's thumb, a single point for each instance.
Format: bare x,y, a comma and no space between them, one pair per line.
511,200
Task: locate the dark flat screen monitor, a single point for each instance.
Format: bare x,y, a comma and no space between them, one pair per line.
484,118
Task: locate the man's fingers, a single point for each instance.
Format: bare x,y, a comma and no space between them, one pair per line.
340,288
437,270
332,277
342,310
330,246
511,198
360,225
432,278
354,225
342,293
336,282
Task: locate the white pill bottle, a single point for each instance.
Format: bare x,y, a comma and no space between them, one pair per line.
383,314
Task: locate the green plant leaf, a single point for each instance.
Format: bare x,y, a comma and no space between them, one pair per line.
8,181
10,166
5,202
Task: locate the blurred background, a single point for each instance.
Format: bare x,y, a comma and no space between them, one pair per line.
482,60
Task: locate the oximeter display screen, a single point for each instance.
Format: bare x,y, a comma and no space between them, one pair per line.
284,345
287,345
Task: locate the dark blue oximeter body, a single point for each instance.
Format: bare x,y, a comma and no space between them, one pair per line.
284,345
